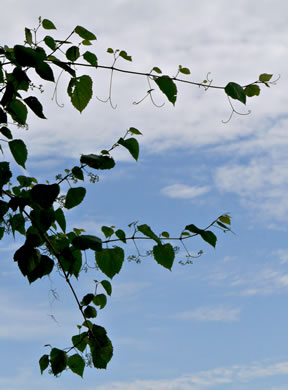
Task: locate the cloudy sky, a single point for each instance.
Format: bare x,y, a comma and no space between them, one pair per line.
220,323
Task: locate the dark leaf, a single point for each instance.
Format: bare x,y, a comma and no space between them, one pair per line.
100,347
6,132
45,194
44,71
209,237
134,131
26,181
146,230
235,91
5,174
164,255
72,54
86,241
71,260
265,77
19,151
64,66
90,58
108,231
78,173
168,87
60,219
3,116
252,90
50,42
156,69
87,299
58,360
43,218
44,267
107,286
100,300
18,111
97,162
44,363
74,197
80,341
76,364
184,70
124,55
26,56
84,34
33,103
110,261
80,91
193,229
18,224
4,207
28,36
90,312
132,145
48,25
121,235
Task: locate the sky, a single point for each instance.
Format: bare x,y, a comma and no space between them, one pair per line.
221,322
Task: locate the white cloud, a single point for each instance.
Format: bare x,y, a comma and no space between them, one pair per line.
211,314
183,191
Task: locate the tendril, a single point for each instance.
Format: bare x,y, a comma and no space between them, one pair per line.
234,111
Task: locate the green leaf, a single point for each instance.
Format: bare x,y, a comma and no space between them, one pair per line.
225,219
125,56
45,71
43,218
48,25
132,145
90,58
18,223
184,70
3,116
78,173
121,235
108,231
265,77
165,234
87,299
252,90
97,162
110,261
80,91
60,219
2,231
134,131
146,230
50,42
164,255
26,56
19,151
45,194
64,66
28,36
107,286
100,300
73,53
85,42
110,51
100,347
156,69
74,197
85,241
235,91
84,34
18,111
4,207
33,103
43,268
193,229
209,237
5,174
26,181
6,132
44,363
58,360
80,341
168,87
90,312
76,364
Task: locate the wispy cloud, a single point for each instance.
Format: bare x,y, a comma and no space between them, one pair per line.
211,314
183,191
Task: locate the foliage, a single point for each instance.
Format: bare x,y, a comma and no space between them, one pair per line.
38,212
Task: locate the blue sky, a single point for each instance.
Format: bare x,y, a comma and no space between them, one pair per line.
220,323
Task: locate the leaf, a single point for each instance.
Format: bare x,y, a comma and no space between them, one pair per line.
252,90
6,132
71,260
72,54
265,77
64,66
45,194
26,56
164,255
5,174
44,363
85,241
134,131
3,116
80,341
19,151
110,51
97,162
110,261
193,229
184,70
121,235
108,231
48,25
225,219
78,173
168,87
100,347
43,268
45,71
209,237
33,103
60,219
76,364
131,144
107,286
50,42
156,69
146,230
235,91
74,197
18,111
58,360
90,312
87,299
125,56
18,223
84,34
80,91
28,36
100,300
90,58
43,218
165,234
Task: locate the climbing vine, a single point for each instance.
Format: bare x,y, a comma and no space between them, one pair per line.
37,211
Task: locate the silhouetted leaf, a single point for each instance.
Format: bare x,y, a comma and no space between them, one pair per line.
19,151
48,25
86,241
44,363
80,91
76,364
90,58
110,261
132,145
45,194
74,197
84,34
235,91
58,360
97,162
107,286
164,255
168,87
18,111
33,103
